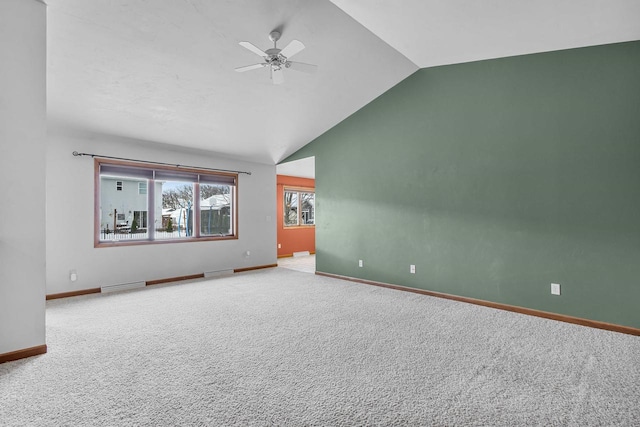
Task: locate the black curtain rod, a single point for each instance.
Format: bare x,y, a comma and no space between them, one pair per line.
75,153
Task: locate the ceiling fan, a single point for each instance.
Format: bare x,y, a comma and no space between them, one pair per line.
277,59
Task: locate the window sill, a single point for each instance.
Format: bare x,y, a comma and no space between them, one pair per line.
119,243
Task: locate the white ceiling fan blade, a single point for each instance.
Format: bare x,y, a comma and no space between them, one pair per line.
250,67
253,48
292,48
277,76
301,66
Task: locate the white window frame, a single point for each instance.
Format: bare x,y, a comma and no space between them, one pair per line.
299,191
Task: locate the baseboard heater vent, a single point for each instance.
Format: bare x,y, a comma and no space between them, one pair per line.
303,253
122,287
209,274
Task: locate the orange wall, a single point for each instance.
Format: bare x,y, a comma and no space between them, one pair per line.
296,239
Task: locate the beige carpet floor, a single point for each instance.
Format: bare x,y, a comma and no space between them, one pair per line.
286,348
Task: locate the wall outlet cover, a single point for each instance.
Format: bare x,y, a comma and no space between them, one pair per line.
555,289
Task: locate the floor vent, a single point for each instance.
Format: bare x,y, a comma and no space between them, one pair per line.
303,253
122,287
209,274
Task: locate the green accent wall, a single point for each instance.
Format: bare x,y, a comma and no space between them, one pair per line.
495,178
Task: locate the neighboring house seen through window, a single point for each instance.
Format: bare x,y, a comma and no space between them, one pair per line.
163,203
299,208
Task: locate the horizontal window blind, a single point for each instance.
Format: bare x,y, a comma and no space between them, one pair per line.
218,179
166,175
117,171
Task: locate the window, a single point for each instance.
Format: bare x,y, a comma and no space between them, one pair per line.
161,204
140,218
215,209
177,209
299,208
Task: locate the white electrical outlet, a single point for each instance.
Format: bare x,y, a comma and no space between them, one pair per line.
73,275
555,289
279,246
360,263
412,269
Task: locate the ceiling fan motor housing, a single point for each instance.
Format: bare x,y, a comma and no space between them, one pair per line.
274,59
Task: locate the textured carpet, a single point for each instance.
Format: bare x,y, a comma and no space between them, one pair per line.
281,347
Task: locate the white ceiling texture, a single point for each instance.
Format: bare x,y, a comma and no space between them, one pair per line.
163,70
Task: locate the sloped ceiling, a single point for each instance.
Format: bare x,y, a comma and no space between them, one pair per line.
441,32
163,71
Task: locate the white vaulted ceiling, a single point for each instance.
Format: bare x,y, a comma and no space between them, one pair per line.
163,70
441,32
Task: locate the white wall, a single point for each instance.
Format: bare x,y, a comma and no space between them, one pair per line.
22,173
70,193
